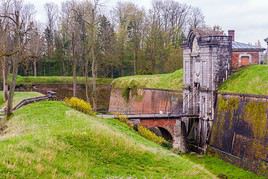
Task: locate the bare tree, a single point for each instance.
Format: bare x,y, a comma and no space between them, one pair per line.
196,18
20,19
35,48
52,16
93,45
71,26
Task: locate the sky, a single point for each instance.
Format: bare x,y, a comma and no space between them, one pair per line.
249,18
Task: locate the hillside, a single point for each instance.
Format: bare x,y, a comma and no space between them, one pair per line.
170,81
51,140
249,80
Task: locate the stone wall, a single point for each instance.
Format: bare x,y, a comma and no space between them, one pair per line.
240,131
145,101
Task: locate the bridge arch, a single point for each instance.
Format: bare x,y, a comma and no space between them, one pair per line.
163,132
166,134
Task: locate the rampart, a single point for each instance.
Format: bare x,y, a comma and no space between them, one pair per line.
240,131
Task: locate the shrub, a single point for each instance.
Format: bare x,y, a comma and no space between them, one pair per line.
146,133
123,118
79,105
150,135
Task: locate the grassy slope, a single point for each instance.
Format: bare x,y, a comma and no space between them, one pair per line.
19,96
249,80
57,80
48,139
172,81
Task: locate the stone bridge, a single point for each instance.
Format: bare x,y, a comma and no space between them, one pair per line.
162,124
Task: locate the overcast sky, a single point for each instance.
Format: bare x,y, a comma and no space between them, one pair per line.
248,17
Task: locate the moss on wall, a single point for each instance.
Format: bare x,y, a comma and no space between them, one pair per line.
225,106
241,129
131,90
255,114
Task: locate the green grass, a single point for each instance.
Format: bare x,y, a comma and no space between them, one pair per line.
249,80
57,80
19,96
218,166
171,81
1,98
51,140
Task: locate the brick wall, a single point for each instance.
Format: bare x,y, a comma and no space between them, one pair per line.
146,101
238,62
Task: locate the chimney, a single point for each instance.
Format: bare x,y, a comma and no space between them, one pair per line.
231,33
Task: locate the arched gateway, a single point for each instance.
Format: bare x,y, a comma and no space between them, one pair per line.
206,59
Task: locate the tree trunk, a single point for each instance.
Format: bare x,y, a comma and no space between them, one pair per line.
135,62
93,65
5,76
15,63
74,67
12,86
35,67
94,76
74,79
86,80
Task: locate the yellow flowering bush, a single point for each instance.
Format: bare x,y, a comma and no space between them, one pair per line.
150,135
146,133
80,105
123,118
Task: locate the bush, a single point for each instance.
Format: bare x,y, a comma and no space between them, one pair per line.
150,135
79,105
146,133
123,118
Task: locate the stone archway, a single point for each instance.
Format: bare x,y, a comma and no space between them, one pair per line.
163,132
166,134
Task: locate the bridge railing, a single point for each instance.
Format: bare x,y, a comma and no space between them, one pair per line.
51,95
150,116
135,112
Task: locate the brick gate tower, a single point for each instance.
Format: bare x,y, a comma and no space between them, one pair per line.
207,63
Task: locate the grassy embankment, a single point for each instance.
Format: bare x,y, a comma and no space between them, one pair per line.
170,81
49,139
19,96
28,80
249,80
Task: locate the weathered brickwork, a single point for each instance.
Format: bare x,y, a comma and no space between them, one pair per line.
146,101
240,59
167,124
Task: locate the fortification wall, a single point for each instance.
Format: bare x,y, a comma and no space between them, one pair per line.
145,101
240,131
